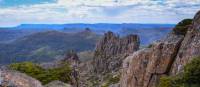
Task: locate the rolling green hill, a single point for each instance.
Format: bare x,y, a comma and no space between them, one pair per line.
46,46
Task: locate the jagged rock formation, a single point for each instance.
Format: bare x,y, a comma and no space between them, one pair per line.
190,46
72,58
107,60
9,78
111,50
145,67
85,74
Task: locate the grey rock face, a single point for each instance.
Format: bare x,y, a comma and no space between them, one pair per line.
144,67
111,50
108,57
190,46
15,79
167,57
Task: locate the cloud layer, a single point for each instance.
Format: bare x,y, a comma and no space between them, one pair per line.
96,11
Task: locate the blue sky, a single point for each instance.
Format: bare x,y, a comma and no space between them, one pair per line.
15,12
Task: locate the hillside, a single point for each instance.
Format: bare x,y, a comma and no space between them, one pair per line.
46,46
9,35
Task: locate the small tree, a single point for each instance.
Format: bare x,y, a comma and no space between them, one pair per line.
182,27
189,78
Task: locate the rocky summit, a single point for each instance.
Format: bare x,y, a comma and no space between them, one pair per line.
111,50
108,56
145,67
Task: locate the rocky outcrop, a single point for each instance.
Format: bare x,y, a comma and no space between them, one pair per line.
72,58
108,56
144,67
166,57
10,78
85,74
111,50
190,46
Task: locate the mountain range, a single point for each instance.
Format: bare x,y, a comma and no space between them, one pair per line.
46,42
154,31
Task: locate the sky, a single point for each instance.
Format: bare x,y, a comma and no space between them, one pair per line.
16,12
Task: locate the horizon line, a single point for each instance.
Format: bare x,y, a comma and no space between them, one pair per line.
83,23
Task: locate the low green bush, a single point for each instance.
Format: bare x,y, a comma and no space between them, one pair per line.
111,79
44,75
182,27
192,71
171,81
189,78
165,81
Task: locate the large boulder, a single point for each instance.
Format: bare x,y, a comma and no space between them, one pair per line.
9,78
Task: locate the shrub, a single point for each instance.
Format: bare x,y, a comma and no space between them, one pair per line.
44,75
182,27
150,45
28,68
111,80
192,71
171,81
189,78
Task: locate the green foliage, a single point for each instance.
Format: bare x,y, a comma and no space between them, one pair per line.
44,75
150,45
192,71
114,79
165,82
173,81
189,78
182,27
111,80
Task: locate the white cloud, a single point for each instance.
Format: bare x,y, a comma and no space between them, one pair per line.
94,11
